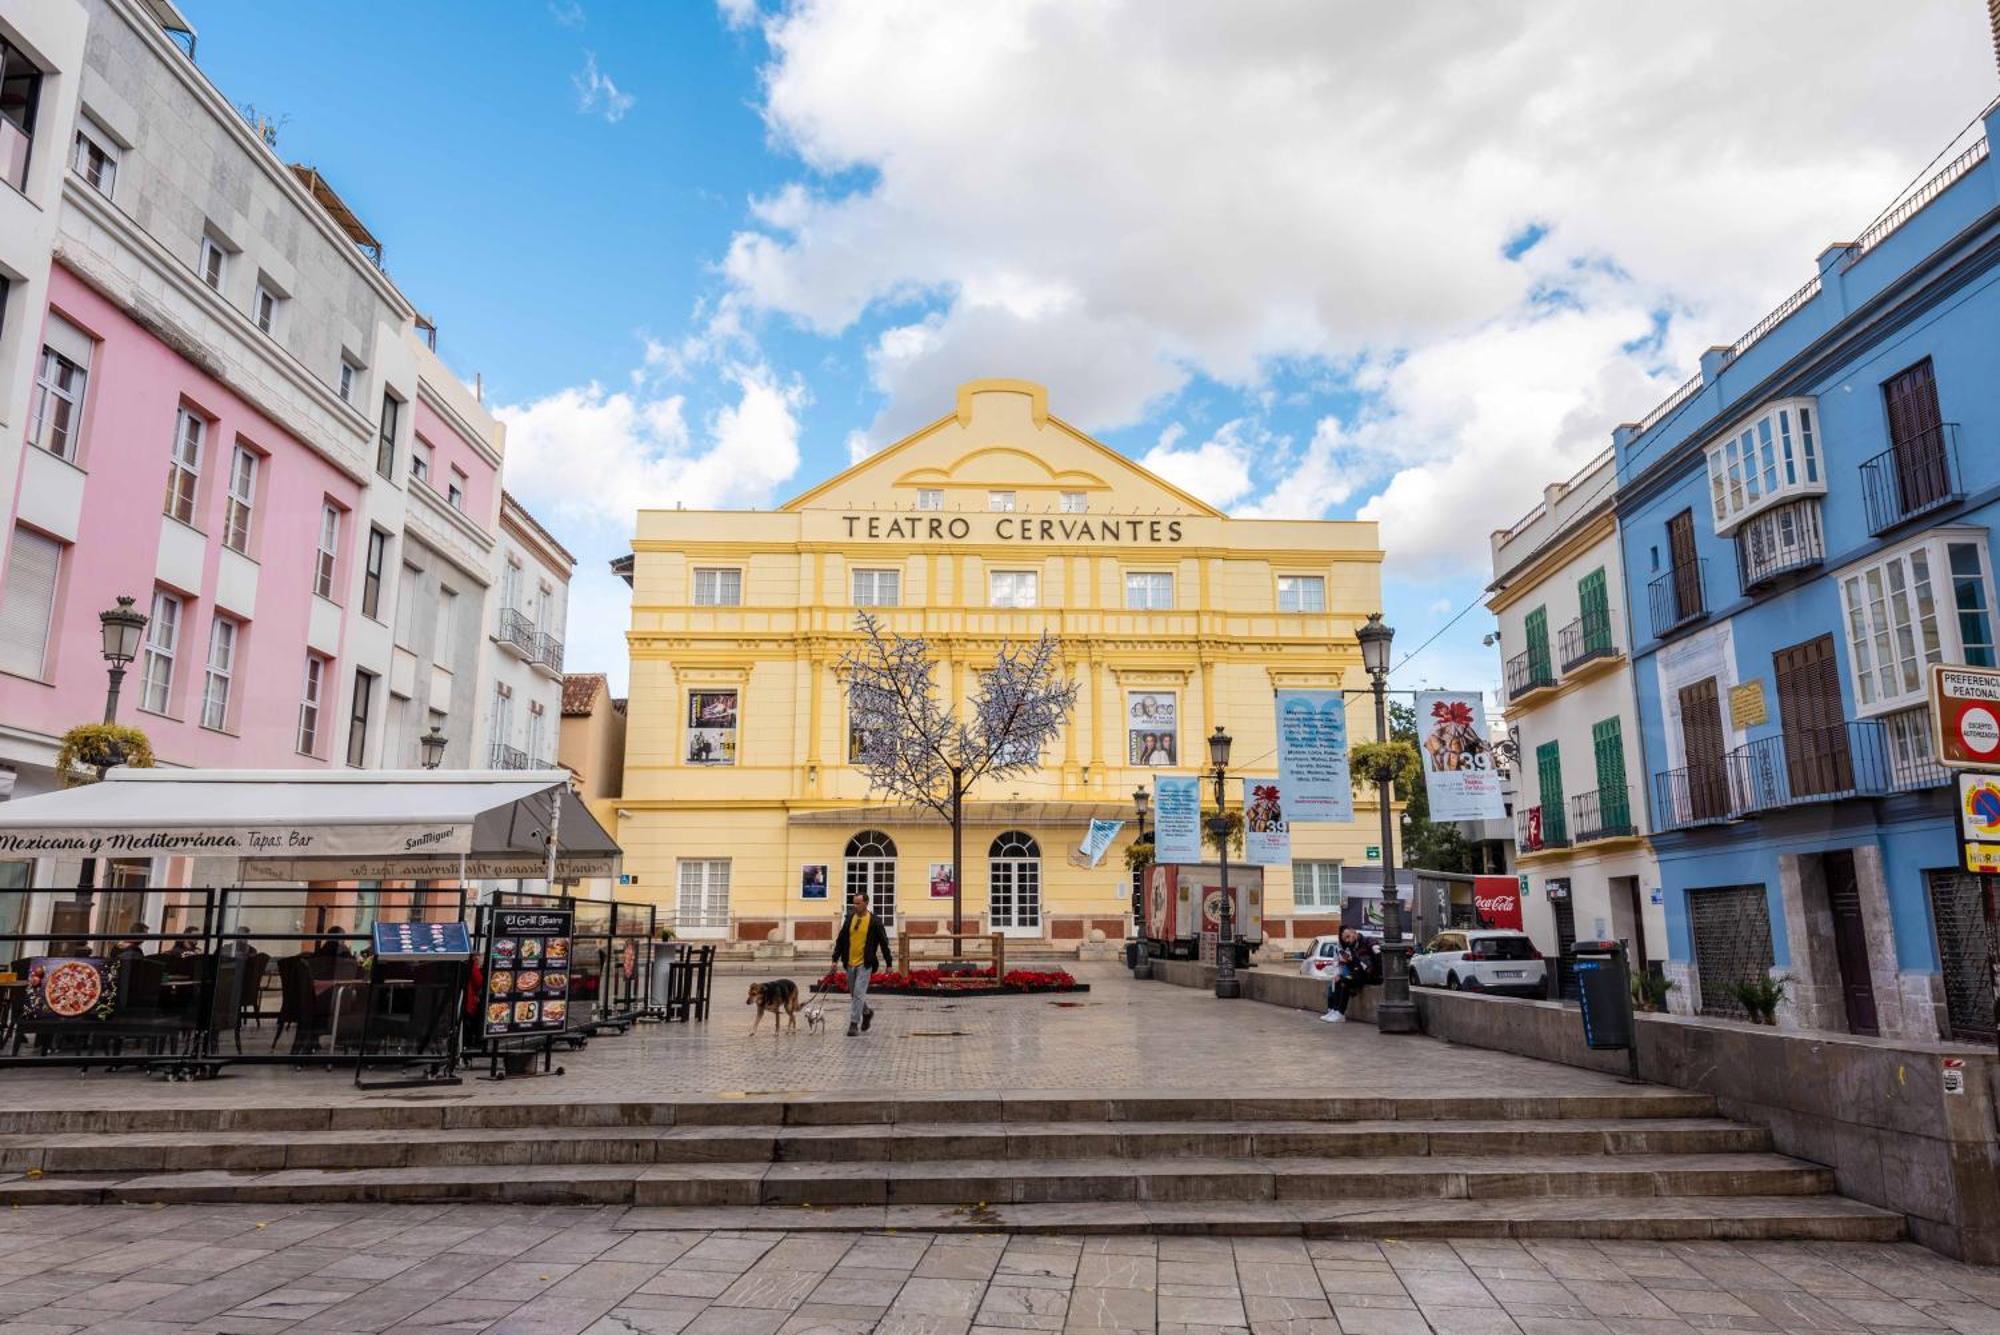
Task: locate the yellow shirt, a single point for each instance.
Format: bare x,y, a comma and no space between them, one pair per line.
857,940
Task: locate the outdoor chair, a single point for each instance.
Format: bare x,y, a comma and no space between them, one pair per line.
252,992
225,1011
298,1008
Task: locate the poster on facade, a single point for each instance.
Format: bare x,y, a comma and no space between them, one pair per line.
1459,772
1312,756
1267,835
1096,841
711,731
940,880
1152,729
1497,902
812,880
1176,820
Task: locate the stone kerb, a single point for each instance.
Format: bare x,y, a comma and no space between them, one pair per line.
1876,1111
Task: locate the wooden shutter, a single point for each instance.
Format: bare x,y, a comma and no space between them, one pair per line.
1548,770
1702,741
1686,573
1614,803
1916,432
1536,627
1594,604
27,602
1817,759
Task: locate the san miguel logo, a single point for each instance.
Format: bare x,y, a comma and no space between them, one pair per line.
1014,528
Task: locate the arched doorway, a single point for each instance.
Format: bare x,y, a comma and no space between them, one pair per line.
871,871
1014,884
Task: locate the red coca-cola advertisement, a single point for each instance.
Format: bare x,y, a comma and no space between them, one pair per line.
1498,900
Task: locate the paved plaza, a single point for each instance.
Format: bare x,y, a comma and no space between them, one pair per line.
426,1270
1121,1035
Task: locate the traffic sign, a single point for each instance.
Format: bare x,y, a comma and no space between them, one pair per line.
1965,715
1979,820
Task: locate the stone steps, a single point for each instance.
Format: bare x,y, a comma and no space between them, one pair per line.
970,1183
271,1151
1659,1218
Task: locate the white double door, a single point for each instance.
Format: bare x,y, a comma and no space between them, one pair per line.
1015,902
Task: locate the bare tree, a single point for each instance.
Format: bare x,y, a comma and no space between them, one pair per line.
915,747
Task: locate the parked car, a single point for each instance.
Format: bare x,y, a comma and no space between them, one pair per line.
1481,961
1325,953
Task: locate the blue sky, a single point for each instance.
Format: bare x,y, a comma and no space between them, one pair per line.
1305,258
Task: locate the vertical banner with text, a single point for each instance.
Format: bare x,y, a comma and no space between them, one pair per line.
1176,819
1312,756
1459,773
1267,834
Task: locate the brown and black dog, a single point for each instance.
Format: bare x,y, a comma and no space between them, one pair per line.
780,998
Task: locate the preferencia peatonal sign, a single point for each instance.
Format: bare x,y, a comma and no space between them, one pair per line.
1965,716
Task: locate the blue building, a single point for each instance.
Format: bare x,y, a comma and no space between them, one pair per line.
1806,527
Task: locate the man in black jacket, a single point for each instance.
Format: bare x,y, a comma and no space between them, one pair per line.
861,947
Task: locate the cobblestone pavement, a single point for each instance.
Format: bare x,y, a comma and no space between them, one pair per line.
1120,1035
568,1271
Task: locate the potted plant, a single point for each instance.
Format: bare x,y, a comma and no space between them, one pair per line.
90,748
1649,991
1761,997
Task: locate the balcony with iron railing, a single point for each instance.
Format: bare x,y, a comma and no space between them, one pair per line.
1779,541
1679,597
1529,672
1586,639
1538,829
502,756
1858,758
1912,478
548,654
1603,814
517,634
1692,796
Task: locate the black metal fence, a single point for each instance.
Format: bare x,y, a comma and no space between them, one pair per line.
1679,597
1527,672
1586,638
1912,478
1605,813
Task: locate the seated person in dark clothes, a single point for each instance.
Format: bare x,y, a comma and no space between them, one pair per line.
133,944
1360,963
333,944
187,943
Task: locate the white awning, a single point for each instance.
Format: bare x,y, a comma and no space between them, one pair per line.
283,823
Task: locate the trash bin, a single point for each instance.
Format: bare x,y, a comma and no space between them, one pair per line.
1604,992
1131,954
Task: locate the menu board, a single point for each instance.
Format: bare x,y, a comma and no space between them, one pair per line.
422,940
527,971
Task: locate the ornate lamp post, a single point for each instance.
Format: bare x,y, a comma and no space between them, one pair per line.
1226,985
123,628
1396,1014
1142,968
433,744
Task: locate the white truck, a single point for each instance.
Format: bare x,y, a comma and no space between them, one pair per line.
1184,907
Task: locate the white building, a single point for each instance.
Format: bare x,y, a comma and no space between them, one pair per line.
1579,812
524,633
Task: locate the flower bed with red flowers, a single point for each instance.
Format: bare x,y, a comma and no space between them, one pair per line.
975,983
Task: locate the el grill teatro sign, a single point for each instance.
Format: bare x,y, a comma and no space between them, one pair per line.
1012,528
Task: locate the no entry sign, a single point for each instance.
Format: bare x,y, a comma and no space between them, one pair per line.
1965,716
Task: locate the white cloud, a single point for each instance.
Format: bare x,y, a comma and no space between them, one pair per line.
1217,470
597,95
590,454
737,13
1114,198
567,12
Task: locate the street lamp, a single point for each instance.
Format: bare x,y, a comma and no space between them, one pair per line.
433,744
123,628
1142,968
1396,1014
1226,985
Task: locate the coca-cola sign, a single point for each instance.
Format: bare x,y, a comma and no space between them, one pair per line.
1497,900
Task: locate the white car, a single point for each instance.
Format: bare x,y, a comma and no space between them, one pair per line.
1481,961
1325,954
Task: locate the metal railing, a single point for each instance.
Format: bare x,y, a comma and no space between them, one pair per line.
1539,828
1779,541
517,632
1674,400
1603,814
1692,796
502,756
1912,478
1918,198
1679,597
549,651
1529,671
1801,766
1784,310
1586,638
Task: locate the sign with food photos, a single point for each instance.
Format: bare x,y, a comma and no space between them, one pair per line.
527,971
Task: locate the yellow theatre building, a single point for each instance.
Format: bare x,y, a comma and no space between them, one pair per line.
741,813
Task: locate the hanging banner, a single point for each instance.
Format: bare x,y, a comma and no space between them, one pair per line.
1312,756
1459,773
1176,820
1267,835
1096,842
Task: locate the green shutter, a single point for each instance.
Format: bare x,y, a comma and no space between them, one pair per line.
1614,798
1537,628
1548,766
1594,601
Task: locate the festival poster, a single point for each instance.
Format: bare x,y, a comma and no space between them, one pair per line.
812,880
1152,729
1176,820
940,880
711,731
1267,835
1312,756
1459,773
